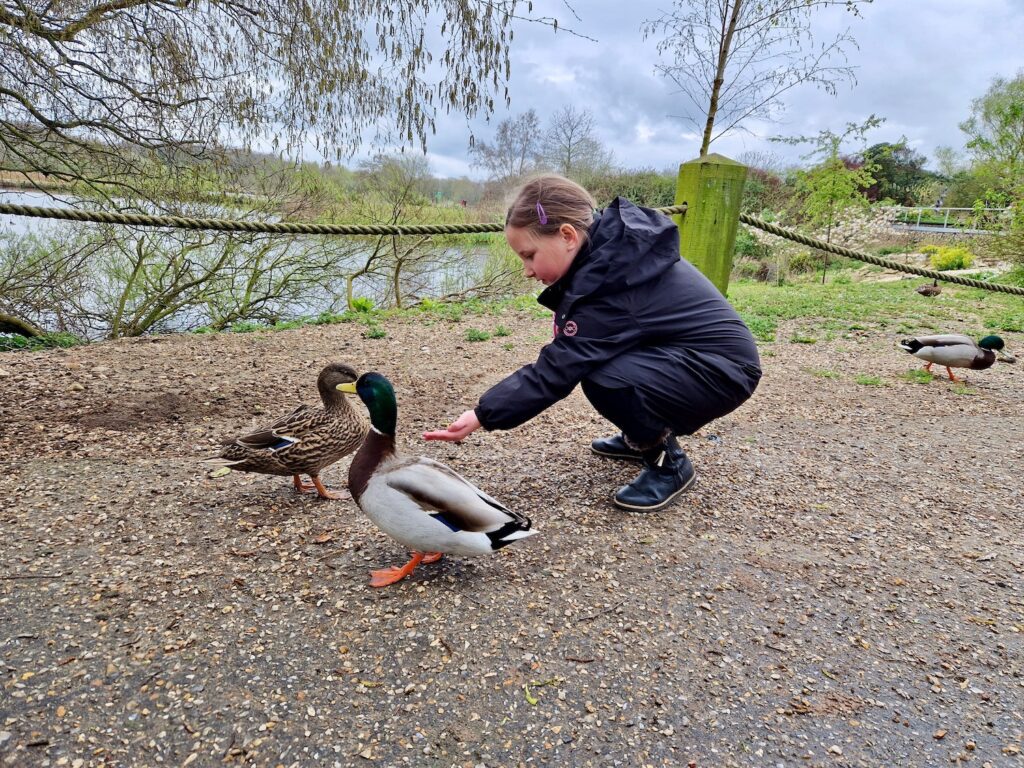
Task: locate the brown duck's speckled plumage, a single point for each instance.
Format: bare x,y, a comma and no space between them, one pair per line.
304,441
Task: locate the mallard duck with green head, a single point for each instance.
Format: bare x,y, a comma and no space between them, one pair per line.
305,441
953,350
421,503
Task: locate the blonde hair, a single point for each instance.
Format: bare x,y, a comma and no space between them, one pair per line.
544,203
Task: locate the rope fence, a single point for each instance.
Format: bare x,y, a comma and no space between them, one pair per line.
839,250
233,225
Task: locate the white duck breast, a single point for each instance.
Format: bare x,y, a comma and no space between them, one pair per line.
430,508
953,354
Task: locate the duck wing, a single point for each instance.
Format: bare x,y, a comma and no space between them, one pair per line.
450,498
279,433
945,340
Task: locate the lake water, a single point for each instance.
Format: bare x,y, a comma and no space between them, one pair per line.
24,225
458,273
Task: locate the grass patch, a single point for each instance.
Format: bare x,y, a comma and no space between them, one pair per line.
763,328
247,326
868,381
10,342
475,334
824,312
960,388
860,306
917,376
824,373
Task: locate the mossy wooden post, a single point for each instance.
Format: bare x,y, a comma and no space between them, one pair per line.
712,188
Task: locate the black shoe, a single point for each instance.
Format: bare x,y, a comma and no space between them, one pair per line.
667,473
615,448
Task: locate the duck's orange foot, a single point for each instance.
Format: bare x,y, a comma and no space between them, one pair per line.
951,376
326,494
301,487
387,576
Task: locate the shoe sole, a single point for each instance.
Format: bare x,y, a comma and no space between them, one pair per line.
623,456
665,503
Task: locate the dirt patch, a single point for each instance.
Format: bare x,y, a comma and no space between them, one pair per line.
843,582
141,413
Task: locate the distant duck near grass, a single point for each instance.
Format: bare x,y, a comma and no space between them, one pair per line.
930,290
305,441
956,351
419,502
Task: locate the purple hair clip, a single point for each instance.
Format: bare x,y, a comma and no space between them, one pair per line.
543,217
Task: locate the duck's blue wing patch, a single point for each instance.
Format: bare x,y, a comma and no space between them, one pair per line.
449,520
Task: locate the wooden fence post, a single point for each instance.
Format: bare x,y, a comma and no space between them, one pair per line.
712,187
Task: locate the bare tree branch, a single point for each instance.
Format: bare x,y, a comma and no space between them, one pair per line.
735,59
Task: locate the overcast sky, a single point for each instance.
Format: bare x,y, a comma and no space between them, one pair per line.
920,63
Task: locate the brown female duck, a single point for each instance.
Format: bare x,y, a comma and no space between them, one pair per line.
304,441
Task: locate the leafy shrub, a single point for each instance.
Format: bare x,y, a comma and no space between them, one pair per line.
751,269
887,250
329,318
804,261
375,332
929,249
429,305
748,246
951,257
246,326
475,334
362,304
643,187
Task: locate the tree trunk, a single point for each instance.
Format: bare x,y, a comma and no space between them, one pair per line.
12,324
723,59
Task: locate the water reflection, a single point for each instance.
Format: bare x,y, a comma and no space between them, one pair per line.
448,271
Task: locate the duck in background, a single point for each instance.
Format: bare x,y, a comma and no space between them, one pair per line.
956,351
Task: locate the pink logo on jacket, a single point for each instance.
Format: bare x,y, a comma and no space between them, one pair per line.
570,328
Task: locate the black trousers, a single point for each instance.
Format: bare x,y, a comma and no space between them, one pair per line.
650,392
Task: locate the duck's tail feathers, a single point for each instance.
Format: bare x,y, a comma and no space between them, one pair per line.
219,461
507,534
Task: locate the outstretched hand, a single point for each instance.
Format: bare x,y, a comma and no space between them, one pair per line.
459,429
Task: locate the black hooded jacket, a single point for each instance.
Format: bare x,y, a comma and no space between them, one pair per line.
628,290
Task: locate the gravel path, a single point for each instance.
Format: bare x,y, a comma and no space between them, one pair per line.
842,587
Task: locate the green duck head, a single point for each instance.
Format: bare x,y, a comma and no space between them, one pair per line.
996,344
379,396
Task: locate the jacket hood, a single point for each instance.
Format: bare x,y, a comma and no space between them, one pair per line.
627,246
